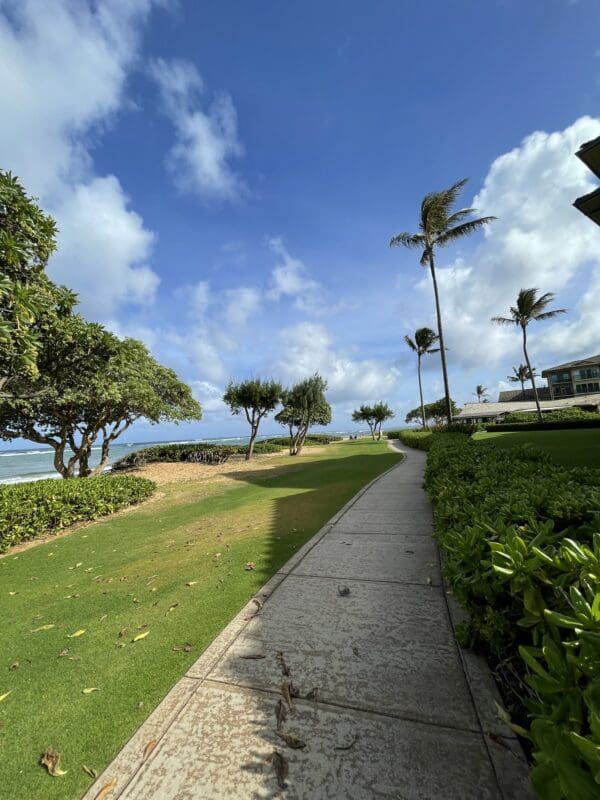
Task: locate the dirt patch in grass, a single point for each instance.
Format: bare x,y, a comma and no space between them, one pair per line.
180,472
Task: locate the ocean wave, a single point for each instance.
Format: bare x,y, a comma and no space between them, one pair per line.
26,453
29,478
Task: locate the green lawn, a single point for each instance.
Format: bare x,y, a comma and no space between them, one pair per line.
132,572
572,448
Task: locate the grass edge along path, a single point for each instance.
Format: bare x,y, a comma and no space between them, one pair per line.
99,624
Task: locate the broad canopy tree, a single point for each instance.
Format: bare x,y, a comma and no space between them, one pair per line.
91,386
256,398
436,411
27,296
304,405
374,416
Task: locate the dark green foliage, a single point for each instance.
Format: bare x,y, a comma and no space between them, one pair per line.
467,428
420,440
591,421
171,453
435,411
561,415
256,398
30,509
521,538
311,439
374,416
304,405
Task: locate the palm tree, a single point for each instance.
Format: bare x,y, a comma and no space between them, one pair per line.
520,375
530,307
481,392
439,225
422,344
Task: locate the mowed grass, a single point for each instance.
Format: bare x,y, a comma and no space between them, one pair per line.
571,448
132,572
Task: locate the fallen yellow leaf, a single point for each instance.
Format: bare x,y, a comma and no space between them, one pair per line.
75,635
42,628
106,789
4,696
191,583
50,759
90,690
140,636
12,594
148,749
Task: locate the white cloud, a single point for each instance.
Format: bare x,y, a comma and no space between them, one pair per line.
290,279
538,240
241,305
202,353
64,66
206,133
307,348
103,249
210,397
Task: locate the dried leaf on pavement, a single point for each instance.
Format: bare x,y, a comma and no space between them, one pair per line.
286,693
51,760
252,656
291,740
343,590
106,790
148,749
281,661
280,713
281,767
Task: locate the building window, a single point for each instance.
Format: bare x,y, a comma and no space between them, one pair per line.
563,391
588,388
560,377
583,374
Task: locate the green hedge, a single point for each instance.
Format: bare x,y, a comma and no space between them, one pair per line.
545,426
420,440
30,509
311,439
201,453
560,415
521,538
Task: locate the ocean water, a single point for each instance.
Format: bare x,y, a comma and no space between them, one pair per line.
35,463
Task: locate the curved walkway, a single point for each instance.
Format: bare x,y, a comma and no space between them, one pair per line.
356,625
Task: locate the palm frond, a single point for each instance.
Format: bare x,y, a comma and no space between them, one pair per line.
504,320
405,239
424,260
550,314
464,229
410,343
425,338
459,216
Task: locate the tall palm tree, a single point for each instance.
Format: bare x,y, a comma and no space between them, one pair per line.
422,344
520,375
481,392
439,225
530,308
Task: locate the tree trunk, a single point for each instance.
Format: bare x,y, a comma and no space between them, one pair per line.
523,389
535,394
372,427
253,432
423,420
438,312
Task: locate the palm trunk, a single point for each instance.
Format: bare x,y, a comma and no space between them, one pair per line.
424,421
438,312
535,394
523,389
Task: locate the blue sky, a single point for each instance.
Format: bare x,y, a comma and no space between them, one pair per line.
226,177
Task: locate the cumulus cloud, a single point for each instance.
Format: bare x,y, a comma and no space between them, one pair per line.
206,134
538,240
210,397
103,249
290,279
65,66
307,348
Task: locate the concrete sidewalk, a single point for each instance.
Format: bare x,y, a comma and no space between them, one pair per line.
386,705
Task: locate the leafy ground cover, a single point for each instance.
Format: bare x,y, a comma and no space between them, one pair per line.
113,606
29,509
521,542
571,448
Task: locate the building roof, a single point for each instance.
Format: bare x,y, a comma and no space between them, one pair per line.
592,361
516,395
485,410
589,153
589,204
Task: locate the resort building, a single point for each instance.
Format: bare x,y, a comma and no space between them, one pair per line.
575,384
589,204
575,378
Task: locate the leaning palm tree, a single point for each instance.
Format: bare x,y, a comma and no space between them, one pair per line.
422,344
439,225
530,307
521,374
481,392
